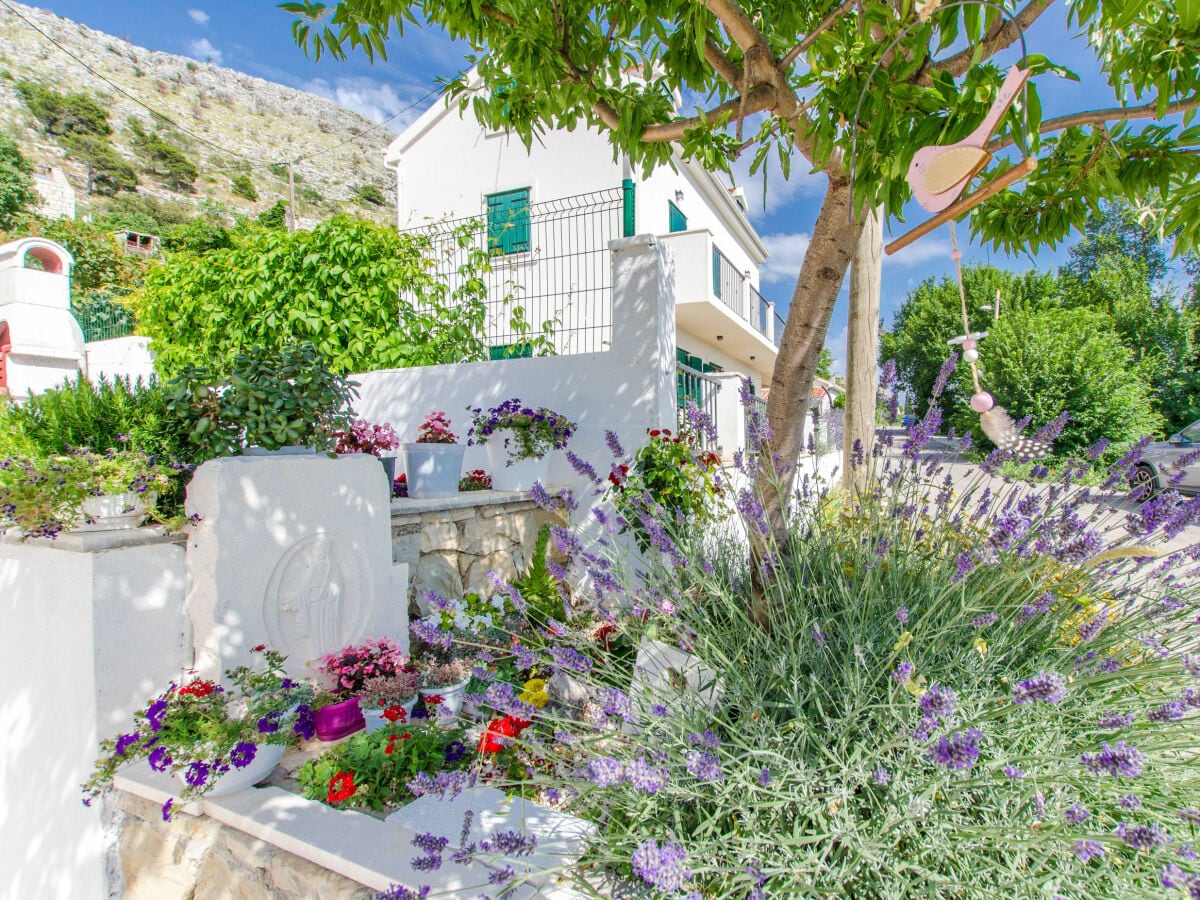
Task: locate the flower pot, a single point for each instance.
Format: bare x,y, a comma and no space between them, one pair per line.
520,475
373,715
338,720
451,697
389,466
266,758
433,470
290,450
114,512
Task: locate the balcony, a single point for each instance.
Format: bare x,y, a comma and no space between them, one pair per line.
714,298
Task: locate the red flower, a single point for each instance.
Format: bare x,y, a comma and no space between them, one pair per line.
258,648
654,432
406,736
341,787
508,727
603,636
433,699
197,688
394,713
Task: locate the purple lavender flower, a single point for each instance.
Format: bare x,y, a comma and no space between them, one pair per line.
659,711
937,701
1088,850
881,776
1122,761
1142,837
1076,813
1110,665
764,778
709,739
925,729
1013,773
1091,628
569,659
902,615
243,754
645,777
985,620
583,467
957,752
615,702
1130,801
430,843
614,443
704,766
903,673
944,374
661,866
1191,816
1190,663
509,843
1168,712
604,771
1042,688
446,785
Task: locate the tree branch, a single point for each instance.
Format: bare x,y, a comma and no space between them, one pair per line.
760,99
1102,117
811,37
736,23
1003,34
722,64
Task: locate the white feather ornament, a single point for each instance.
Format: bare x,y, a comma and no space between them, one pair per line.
999,426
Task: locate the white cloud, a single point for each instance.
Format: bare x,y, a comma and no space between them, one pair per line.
786,255
204,50
373,99
779,191
199,16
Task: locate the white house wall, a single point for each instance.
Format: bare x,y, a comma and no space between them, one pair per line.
447,171
711,352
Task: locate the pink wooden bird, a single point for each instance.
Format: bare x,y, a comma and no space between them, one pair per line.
939,174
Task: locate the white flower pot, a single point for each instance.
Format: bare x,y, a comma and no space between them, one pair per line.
519,476
266,758
433,470
452,696
114,512
374,715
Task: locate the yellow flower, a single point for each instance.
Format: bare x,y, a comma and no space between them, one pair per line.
535,693
905,640
981,646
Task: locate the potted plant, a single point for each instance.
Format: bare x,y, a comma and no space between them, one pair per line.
363,437
272,400
82,490
346,672
216,741
442,683
388,699
433,464
518,437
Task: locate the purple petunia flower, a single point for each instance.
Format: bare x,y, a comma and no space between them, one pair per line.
166,809
155,713
125,741
269,723
1042,688
1121,761
242,755
196,774
160,760
661,866
958,752
304,725
455,751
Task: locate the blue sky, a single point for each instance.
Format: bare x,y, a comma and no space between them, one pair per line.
255,37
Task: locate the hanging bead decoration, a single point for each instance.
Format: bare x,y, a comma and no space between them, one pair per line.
995,421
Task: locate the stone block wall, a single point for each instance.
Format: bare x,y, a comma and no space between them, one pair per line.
451,545
196,856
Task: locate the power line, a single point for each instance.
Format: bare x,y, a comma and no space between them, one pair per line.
204,140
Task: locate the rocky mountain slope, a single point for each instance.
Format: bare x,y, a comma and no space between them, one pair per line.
247,116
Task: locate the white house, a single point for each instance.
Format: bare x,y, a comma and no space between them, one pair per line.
550,212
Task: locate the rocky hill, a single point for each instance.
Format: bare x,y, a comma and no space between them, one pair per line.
248,116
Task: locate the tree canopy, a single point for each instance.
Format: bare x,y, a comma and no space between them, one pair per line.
17,194
868,80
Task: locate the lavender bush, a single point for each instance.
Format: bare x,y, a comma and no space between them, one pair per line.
967,688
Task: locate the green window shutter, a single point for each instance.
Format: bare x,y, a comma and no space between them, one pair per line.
716,272
682,356
676,220
522,350
712,367
508,222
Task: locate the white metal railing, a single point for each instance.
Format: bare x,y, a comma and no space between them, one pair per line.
693,386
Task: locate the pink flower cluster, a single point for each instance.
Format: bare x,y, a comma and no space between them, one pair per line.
436,430
363,437
351,666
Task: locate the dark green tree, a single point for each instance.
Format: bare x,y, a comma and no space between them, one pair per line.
242,186
63,114
108,173
164,160
274,216
369,194
1117,230
18,197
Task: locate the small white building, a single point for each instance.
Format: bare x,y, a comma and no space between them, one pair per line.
41,344
550,212
58,197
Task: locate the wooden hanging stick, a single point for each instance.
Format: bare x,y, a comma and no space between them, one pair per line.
993,187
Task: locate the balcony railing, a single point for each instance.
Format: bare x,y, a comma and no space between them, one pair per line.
728,283
777,332
760,312
695,387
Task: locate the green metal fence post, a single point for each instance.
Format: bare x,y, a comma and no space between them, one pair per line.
627,196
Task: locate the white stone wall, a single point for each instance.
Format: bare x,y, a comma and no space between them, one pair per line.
126,357
88,635
58,197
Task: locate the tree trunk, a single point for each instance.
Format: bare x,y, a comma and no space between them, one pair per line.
833,240
862,352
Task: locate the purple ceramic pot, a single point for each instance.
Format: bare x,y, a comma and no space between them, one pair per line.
338,720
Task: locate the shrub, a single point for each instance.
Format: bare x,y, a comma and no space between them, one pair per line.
242,186
164,160
947,689
63,114
17,194
274,216
369,195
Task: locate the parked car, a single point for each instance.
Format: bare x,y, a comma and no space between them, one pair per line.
1160,463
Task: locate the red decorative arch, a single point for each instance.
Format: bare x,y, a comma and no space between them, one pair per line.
51,261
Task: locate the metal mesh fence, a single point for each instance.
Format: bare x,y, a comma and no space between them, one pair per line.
549,288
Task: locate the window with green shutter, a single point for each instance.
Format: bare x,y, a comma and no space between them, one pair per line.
521,350
508,222
676,220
